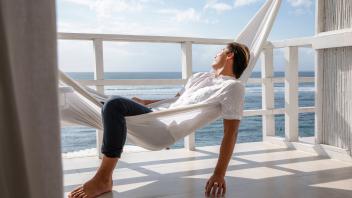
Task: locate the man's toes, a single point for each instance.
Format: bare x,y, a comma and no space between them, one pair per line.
74,195
76,192
81,194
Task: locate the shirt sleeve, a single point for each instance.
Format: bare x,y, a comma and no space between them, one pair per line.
233,102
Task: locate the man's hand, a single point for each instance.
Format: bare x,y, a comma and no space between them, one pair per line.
140,101
216,186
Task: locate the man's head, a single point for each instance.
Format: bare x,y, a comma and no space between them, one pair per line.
235,56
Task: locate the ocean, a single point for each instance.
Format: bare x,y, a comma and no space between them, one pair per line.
75,139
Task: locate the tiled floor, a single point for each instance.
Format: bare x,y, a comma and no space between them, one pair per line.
256,170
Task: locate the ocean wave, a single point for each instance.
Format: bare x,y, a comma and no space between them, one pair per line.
81,153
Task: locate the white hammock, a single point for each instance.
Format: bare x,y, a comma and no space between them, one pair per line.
160,129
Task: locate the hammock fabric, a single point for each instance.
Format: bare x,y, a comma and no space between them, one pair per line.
160,129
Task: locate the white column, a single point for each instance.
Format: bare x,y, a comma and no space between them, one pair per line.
267,91
318,97
99,75
186,56
291,94
318,68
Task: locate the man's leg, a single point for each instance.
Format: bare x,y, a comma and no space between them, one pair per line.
115,132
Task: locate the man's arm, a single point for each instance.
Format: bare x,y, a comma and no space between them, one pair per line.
227,146
147,102
216,185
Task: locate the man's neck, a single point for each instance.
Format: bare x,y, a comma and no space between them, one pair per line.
225,71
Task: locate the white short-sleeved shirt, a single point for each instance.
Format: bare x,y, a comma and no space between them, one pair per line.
206,87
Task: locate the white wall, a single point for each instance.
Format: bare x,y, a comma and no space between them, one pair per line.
336,76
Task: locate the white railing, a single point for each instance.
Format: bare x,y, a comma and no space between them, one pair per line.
267,80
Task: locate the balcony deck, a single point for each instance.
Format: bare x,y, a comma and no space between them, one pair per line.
257,169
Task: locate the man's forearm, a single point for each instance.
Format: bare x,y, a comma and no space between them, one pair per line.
147,102
226,151
151,101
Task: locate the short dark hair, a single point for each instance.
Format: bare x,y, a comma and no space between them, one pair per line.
241,57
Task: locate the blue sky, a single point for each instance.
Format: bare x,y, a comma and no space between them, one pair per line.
195,18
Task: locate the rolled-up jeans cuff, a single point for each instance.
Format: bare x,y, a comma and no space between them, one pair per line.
112,154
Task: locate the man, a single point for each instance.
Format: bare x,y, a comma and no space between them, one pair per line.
220,85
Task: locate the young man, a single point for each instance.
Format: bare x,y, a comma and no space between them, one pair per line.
220,85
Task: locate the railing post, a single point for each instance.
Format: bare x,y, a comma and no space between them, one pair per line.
267,68
186,58
99,75
291,94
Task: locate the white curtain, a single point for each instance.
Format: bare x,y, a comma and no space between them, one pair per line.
30,156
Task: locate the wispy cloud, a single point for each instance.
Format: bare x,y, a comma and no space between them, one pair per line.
301,7
116,26
108,7
109,17
188,15
217,6
105,8
300,3
88,3
239,3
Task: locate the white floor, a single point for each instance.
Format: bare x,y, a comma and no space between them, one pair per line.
256,170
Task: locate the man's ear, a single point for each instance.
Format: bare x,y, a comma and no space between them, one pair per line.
230,56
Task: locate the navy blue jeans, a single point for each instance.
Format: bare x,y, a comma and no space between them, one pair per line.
115,130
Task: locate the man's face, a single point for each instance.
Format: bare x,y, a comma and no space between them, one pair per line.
221,57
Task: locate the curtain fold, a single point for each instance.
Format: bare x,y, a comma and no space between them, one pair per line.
30,152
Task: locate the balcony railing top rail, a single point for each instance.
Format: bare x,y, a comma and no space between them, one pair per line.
299,42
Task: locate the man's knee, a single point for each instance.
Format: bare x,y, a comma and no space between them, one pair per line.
113,104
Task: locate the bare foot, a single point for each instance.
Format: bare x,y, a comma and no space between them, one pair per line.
92,188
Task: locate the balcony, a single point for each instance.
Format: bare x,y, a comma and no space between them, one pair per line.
287,166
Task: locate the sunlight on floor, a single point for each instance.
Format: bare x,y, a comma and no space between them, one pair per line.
345,184
256,169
